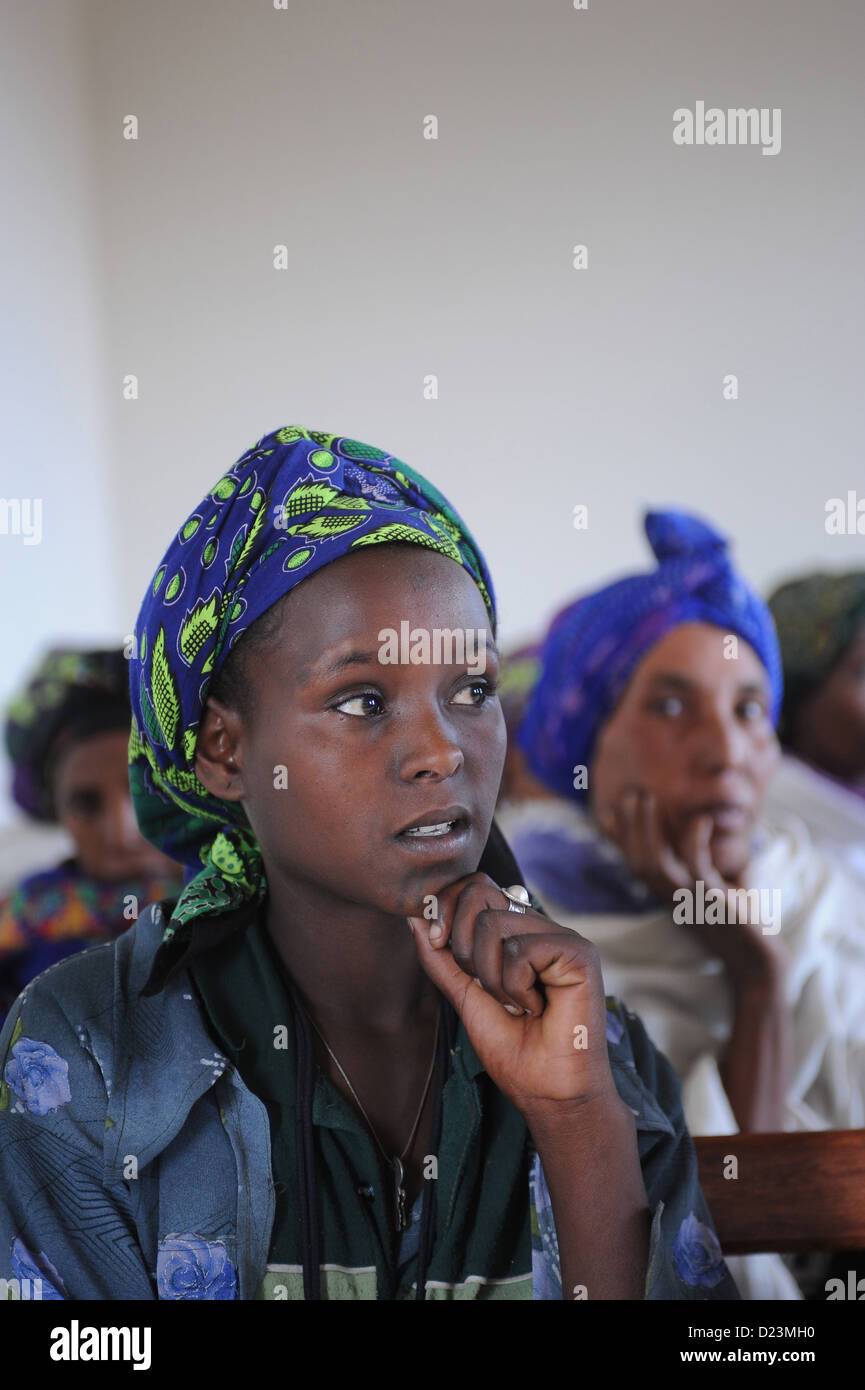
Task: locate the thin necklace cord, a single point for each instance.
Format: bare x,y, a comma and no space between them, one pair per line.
305,1089
429,1207
307,1177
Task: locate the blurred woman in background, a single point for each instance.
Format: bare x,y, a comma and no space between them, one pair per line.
67,735
820,619
653,719
519,672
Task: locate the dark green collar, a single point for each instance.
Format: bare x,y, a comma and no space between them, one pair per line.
482,1175
240,979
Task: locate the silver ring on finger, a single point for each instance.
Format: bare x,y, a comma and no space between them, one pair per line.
517,896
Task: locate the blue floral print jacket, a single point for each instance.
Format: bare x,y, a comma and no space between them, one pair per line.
135,1163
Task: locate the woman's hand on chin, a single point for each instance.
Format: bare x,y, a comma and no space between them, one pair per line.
637,825
529,993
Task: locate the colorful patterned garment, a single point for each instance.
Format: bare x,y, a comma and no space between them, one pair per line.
70,696
295,502
75,1092
817,618
593,647
54,913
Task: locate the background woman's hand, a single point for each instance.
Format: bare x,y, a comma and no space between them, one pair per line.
529,993
754,1065
638,826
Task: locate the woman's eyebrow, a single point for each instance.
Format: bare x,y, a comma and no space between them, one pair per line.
670,678
340,663
336,665
676,682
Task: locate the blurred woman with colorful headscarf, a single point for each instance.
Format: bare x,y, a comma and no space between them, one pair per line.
66,734
304,1024
820,620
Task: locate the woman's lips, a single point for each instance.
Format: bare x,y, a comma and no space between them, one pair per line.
436,839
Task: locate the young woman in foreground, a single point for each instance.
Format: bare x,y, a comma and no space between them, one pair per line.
283,1085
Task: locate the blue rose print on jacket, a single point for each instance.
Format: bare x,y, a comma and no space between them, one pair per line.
32,1267
697,1254
192,1267
38,1076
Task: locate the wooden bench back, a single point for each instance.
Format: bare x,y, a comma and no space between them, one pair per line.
793,1191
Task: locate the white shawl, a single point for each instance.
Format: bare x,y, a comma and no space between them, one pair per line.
682,995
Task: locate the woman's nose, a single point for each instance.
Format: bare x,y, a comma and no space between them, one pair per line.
431,749
724,742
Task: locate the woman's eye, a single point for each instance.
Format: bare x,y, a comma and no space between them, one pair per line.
85,803
365,706
474,694
668,707
752,709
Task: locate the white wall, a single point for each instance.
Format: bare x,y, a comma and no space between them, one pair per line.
55,447
410,256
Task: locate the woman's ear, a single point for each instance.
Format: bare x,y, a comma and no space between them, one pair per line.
218,762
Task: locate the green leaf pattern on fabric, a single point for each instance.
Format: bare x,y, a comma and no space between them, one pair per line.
166,701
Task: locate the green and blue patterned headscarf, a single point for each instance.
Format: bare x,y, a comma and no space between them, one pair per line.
295,502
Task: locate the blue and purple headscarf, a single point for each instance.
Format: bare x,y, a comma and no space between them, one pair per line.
295,502
593,647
